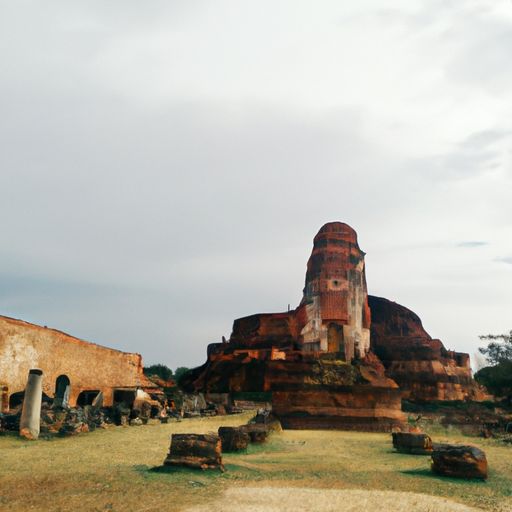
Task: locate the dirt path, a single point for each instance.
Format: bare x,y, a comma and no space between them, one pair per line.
272,499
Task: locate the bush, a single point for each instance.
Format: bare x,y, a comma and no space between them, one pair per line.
497,379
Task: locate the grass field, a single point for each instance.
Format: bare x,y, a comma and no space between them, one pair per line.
112,470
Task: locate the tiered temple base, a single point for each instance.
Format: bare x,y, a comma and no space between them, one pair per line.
360,407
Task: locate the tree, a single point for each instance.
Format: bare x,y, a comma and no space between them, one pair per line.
499,349
164,372
497,377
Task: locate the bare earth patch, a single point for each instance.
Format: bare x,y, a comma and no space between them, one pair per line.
293,499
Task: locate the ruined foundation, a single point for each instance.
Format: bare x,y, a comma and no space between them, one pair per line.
356,408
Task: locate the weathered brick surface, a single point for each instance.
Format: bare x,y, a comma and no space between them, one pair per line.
420,365
88,366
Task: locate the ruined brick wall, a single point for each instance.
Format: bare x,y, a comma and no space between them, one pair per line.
88,366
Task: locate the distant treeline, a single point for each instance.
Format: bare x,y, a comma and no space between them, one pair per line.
164,372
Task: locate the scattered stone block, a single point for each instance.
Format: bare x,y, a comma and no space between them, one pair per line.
234,439
416,443
459,461
258,432
201,451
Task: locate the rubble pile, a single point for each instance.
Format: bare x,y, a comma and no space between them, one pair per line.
195,405
62,420
58,418
10,422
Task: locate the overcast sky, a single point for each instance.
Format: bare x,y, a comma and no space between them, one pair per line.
164,166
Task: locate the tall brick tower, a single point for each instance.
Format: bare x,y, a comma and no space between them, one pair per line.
335,295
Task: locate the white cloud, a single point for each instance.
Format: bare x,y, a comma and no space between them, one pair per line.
165,168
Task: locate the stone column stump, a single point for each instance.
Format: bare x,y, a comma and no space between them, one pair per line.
31,412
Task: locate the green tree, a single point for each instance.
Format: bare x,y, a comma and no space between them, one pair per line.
164,372
499,348
497,377
179,372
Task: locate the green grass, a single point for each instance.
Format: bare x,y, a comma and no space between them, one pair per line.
114,469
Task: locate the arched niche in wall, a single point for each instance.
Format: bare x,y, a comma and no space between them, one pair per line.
62,389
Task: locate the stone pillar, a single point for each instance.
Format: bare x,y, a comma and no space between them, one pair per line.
31,413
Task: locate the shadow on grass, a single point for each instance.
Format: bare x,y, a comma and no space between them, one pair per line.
236,469
231,471
179,475
428,473
407,454
144,469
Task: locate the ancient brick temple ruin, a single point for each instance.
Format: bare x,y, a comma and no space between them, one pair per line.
71,367
341,359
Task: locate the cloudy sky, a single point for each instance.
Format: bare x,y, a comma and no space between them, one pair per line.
164,167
